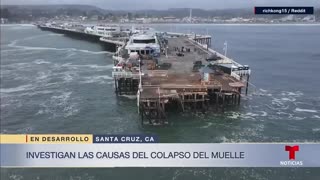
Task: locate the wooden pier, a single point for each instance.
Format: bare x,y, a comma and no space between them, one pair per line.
188,75
181,79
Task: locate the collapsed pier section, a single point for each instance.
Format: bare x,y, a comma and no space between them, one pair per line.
188,75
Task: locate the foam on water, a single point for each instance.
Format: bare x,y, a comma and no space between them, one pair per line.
316,129
59,106
298,118
289,93
17,89
61,99
306,110
41,61
264,114
288,99
129,96
96,79
263,90
208,124
68,77
33,93
93,66
234,115
16,177
13,44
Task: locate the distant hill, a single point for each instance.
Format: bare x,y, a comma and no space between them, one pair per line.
53,8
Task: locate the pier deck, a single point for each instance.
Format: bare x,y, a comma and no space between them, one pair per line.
183,85
183,64
182,74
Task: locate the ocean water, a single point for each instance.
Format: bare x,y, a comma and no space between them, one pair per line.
51,83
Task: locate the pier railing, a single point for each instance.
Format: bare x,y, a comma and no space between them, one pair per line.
235,75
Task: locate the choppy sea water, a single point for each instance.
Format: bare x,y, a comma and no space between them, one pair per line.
54,84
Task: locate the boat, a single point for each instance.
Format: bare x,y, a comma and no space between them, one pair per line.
145,43
142,29
104,31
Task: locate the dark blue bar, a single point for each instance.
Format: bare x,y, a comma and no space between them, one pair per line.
283,10
139,138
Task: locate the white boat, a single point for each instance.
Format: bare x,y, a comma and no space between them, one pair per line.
139,30
144,44
105,31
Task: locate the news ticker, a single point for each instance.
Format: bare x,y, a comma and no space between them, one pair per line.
85,150
284,10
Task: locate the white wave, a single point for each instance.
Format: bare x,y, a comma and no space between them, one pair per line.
63,97
316,116
59,106
251,114
43,75
33,93
234,115
15,65
276,101
17,89
96,79
298,118
316,129
289,99
93,66
28,25
224,139
207,125
41,61
67,77
16,177
70,110
279,106
306,110
289,93
70,55
129,96
282,113
93,52
13,44
263,90
248,116
263,113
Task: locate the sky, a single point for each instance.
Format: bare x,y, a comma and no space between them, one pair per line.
165,4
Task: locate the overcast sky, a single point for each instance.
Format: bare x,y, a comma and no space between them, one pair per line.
165,4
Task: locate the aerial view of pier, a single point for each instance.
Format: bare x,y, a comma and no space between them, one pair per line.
166,70
183,75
